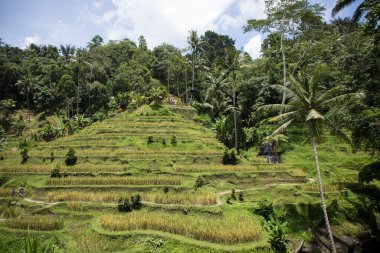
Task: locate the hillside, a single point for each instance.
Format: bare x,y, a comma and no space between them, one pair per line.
175,166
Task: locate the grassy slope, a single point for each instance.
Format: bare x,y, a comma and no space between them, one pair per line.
118,147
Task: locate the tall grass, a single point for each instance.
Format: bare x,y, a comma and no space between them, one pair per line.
228,230
182,198
219,168
45,223
46,168
128,180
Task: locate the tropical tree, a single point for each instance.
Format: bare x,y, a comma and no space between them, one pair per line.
232,63
310,102
67,51
26,84
195,43
286,17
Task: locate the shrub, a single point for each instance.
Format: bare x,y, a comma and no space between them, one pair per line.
71,158
55,172
199,183
124,205
150,140
233,194
229,157
164,142
205,120
173,141
166,189
370,172
24,155
136,201
52,157
265,209
128,204
229,200
241,196
277,230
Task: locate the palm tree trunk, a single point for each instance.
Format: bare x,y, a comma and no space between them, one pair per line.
283,68
27,100
186,85
193,78
332,244
233,97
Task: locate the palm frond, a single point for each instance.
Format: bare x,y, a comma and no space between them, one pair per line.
274,108
314,115
283,116
297,88
339,100
338,132
358,12
282,128
331,93
341,4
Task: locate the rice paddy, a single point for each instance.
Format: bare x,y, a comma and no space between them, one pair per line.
227,230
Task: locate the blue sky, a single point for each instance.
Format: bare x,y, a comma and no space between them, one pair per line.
77,21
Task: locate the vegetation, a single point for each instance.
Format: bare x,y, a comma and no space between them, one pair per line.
227,231
181,141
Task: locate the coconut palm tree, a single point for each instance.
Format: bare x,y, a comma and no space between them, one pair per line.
232,62
195,43
26,84
309,102
67,51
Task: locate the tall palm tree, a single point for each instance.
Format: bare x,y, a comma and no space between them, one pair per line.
195,43
308,101
67,51
232,62
26,84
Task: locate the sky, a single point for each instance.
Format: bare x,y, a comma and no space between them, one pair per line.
75,22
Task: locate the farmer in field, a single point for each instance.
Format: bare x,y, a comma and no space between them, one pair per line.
13,192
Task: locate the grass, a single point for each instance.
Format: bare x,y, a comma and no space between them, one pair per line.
229,230
181,198
44,223
126,180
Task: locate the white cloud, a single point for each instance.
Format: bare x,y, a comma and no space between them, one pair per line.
253,46
170,20
35,39
247,9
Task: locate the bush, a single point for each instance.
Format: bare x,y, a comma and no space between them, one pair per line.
233,194
229,200
265,209
71,158
199,183
136,201
370,172
52,157
241,196
55,172
164,142
23,144
128,204
124,205
229,157
173,141
277,230
150,140
205,120
166,189
24,155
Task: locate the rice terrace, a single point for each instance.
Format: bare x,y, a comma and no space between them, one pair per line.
131,144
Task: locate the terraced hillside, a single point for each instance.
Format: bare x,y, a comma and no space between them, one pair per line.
175,166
